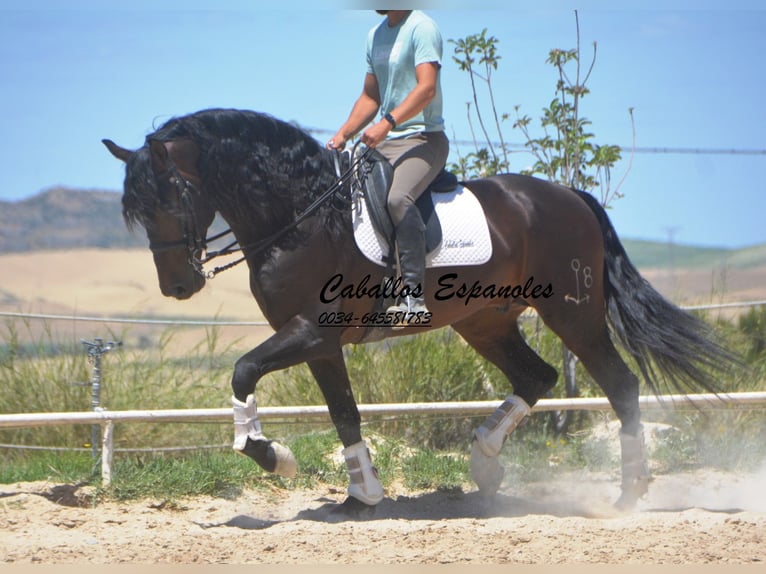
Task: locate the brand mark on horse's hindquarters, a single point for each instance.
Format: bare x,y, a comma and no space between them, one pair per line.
587,281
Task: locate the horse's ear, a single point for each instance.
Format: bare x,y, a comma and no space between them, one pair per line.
117,151
160,155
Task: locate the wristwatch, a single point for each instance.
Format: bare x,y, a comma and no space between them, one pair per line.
390,119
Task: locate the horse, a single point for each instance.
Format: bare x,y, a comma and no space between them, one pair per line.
554,250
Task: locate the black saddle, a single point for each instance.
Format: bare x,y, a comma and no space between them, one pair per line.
377,184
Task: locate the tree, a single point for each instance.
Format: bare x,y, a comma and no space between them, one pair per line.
564,152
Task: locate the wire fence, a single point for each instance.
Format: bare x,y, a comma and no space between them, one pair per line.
134,321
227,323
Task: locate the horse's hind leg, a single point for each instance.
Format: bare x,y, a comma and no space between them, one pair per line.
599,356
587,336
496,337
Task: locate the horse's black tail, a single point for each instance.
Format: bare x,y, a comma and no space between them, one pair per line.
662,338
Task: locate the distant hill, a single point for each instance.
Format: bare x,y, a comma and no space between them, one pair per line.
661,255
63,218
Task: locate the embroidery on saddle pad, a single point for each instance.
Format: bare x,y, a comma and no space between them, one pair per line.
465,234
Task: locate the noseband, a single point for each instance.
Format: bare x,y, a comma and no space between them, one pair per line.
195,242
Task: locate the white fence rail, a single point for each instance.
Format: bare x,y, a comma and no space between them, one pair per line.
107,419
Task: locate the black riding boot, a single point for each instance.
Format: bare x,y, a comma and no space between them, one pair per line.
411,243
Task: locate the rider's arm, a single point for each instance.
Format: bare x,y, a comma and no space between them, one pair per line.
427,75
363,112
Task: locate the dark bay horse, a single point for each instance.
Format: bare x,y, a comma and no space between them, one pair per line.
554,249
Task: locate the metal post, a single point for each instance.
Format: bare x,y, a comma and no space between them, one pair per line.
107,453
96,349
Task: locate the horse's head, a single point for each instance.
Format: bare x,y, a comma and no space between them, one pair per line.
163,194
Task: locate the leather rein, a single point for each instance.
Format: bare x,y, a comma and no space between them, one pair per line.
195,243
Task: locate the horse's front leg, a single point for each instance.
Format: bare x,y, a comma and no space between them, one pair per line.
365,489
295,342
300,341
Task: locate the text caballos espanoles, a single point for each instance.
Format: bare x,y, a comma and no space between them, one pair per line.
449,287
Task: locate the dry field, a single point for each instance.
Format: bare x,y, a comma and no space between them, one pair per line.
113,282
119,283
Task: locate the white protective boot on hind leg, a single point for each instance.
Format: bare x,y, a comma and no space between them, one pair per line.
364,483
635,468
486,471
247,425
490,436
488,439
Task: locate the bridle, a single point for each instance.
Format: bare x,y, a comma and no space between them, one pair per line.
196,243
193,241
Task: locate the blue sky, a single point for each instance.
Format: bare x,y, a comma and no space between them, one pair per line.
693,72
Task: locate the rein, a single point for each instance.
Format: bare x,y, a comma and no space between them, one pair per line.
195,243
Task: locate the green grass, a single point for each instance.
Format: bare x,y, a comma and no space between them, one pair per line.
223,473
60,467
427,470
217,473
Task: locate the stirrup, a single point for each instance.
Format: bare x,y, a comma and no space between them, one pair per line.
409,304
409,310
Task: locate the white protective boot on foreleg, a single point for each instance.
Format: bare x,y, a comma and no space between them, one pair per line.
247,425
364,483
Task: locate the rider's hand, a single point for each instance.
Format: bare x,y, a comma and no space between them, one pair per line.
338,141
375,134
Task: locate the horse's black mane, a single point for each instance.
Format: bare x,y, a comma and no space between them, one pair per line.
254,167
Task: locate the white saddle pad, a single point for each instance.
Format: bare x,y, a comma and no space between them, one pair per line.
465,234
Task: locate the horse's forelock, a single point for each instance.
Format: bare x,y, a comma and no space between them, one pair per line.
140,200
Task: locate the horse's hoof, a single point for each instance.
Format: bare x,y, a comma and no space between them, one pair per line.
626,503
486,471
352,509
631,494
271,456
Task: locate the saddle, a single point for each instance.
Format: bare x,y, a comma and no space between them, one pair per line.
376,184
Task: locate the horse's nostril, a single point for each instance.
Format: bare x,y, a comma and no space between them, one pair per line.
180,292
177,291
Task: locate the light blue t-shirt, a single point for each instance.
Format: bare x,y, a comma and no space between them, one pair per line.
392,54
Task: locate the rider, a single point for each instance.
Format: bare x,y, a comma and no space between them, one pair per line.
402,83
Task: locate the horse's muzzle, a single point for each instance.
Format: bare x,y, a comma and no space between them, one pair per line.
182,289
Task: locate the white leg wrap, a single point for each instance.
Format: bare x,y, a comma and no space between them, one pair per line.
246,423
492,432
364,484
